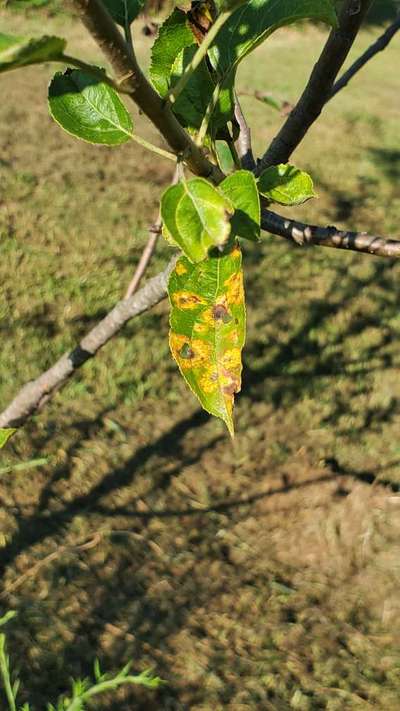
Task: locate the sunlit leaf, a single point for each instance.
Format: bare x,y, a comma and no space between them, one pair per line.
22,51
148,679
7,617
208,329
5,434
192,102
172,51
88,108
224,156
241,189
286,185
173,36
124,11
253,22
197,216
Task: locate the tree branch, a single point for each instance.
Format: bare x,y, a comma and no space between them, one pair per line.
154,233
378,46
244,148
303,234
37,392
319,86
132,81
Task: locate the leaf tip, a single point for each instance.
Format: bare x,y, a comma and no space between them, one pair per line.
5,434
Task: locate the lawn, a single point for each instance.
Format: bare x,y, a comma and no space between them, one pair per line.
259,573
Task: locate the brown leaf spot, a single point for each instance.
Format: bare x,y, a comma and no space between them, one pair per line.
221,313
232,388
186,352
187,300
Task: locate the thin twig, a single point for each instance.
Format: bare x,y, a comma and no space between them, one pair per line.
244,148
303,234
38,391
282,105
378,46
319,86
154,233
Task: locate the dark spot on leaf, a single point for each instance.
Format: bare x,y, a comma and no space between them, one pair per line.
221,313
186,352
232,388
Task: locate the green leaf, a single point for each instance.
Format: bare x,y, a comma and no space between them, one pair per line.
7,617
148,679
173,36
124,12
286,185
22,51
208,324
196,215
89,108
252,23
224,156
5,434
172,51
241,189
192,102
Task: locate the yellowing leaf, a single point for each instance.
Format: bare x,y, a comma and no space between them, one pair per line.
197,217
208,324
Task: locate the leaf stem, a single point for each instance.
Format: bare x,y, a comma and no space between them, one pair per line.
152,147
199,56
108,685
5,673
207,116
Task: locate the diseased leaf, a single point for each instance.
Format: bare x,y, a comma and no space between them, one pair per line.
5,434
286,185
124,11
89,109
208,325
196,215
241,189
173,36
22,51
254,21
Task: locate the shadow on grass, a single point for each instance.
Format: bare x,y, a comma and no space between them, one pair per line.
283,372
387,161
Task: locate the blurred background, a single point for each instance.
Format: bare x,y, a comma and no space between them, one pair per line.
258,573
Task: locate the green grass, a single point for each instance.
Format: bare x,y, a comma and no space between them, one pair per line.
256,574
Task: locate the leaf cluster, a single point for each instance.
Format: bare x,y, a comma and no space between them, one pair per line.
193,67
